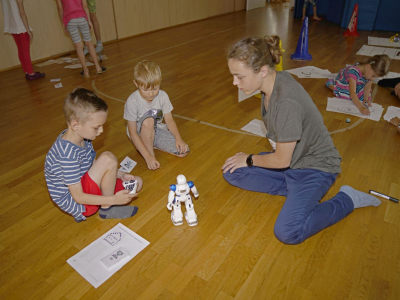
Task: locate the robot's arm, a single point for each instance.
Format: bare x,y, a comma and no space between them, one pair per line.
193,189
171,196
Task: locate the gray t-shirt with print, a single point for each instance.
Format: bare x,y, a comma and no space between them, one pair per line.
136,106
292,116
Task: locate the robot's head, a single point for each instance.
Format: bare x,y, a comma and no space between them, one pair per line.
181,179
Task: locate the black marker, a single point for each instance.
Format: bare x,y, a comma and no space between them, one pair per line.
384,196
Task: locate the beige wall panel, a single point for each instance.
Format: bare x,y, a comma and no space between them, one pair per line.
219,7
139,16
184,11
240,5
49,37
105,15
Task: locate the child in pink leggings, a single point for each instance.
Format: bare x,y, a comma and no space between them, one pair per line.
16,23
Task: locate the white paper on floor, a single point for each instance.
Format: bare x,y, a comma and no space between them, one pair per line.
388,76
311,72
392,112
242,96
106,255
257,127
372,50
78,66
383,42
347,107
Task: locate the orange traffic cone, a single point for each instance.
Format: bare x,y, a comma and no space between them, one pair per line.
352,28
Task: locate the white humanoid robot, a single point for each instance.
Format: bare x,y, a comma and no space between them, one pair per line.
178,193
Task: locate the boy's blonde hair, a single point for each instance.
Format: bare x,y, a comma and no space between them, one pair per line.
81,103
147,74
256,52
379,63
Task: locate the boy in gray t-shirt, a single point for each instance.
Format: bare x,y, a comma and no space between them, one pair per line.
145,110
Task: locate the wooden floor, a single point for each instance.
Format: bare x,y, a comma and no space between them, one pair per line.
232,253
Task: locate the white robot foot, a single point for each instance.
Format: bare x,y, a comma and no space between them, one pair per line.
176,221
192,219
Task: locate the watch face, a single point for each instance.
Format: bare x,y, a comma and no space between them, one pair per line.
249,161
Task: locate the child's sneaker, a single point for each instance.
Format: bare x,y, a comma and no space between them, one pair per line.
99,48
36,75
85,50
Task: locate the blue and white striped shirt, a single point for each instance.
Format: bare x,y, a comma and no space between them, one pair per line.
65,165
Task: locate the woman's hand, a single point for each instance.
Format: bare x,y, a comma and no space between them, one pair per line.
235,162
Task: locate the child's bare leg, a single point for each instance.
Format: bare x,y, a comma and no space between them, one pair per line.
139,182
96,26
104,173
315,14
93,55
79,51
147,134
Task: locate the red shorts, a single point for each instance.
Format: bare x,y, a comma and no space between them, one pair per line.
91,187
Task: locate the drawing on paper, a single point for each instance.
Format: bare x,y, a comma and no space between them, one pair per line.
113,238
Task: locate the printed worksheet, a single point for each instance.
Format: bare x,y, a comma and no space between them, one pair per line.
383,42
366,50
344,106
106,255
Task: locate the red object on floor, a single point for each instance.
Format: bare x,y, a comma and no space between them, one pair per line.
352,28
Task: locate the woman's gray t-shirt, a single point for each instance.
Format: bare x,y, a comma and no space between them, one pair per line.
292,116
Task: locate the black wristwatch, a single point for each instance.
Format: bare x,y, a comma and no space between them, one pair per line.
249,161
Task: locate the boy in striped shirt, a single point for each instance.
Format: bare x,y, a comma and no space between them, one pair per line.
77,183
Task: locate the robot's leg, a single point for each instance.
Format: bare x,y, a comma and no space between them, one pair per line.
190,214
176,214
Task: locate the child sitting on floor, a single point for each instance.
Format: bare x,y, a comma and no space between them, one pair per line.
77,183
354,82
144,111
